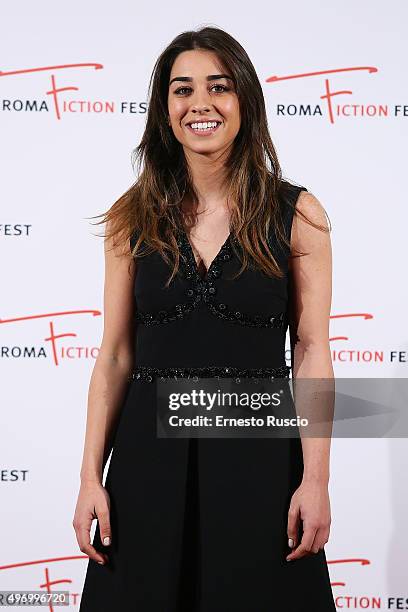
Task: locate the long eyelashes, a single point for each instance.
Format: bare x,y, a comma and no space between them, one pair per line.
180,89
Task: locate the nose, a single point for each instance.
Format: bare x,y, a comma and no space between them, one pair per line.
200,109
200,101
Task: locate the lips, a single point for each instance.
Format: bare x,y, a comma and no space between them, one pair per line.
203,132
203,121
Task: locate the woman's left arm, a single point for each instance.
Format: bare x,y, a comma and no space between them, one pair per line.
311,290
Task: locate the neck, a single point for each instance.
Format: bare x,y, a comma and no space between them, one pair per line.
208,176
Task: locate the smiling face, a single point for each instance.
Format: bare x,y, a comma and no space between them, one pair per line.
202,103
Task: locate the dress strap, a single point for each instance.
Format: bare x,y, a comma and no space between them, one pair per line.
288,198
133,240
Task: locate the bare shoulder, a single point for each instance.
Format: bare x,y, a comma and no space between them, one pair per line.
116,245
119,266
308,204
306,237
118,297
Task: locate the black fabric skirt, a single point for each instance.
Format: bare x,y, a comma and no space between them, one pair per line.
200,525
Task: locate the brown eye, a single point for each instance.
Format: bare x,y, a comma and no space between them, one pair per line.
223,87
180,89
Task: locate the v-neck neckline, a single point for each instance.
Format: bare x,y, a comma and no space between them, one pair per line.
213,262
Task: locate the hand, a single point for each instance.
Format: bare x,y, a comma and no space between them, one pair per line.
311,504
93,502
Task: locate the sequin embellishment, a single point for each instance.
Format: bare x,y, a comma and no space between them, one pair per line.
149,373
204,290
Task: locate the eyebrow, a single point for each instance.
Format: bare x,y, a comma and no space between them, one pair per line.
210,77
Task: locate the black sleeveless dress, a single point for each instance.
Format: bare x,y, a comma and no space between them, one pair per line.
200,525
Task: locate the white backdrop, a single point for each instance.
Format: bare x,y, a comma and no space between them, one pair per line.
63,163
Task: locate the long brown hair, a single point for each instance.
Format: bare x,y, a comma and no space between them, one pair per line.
150,210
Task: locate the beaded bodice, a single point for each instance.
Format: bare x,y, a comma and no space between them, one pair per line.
216,320
204,290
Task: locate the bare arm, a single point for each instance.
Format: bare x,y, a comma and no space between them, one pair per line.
311,304
311,281
108,382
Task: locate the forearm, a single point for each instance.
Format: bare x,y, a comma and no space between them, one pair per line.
108,384
314,399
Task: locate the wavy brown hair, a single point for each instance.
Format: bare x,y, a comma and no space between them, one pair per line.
150,210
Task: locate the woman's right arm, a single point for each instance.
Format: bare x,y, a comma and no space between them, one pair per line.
107,388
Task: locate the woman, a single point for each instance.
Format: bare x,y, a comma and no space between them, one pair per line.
206,524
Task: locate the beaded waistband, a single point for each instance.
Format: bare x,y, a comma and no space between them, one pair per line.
148,373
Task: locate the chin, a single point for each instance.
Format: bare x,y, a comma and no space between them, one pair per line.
203,149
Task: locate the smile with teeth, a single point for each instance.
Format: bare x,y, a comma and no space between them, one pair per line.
204,126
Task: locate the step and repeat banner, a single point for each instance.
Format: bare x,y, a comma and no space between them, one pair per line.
73,103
